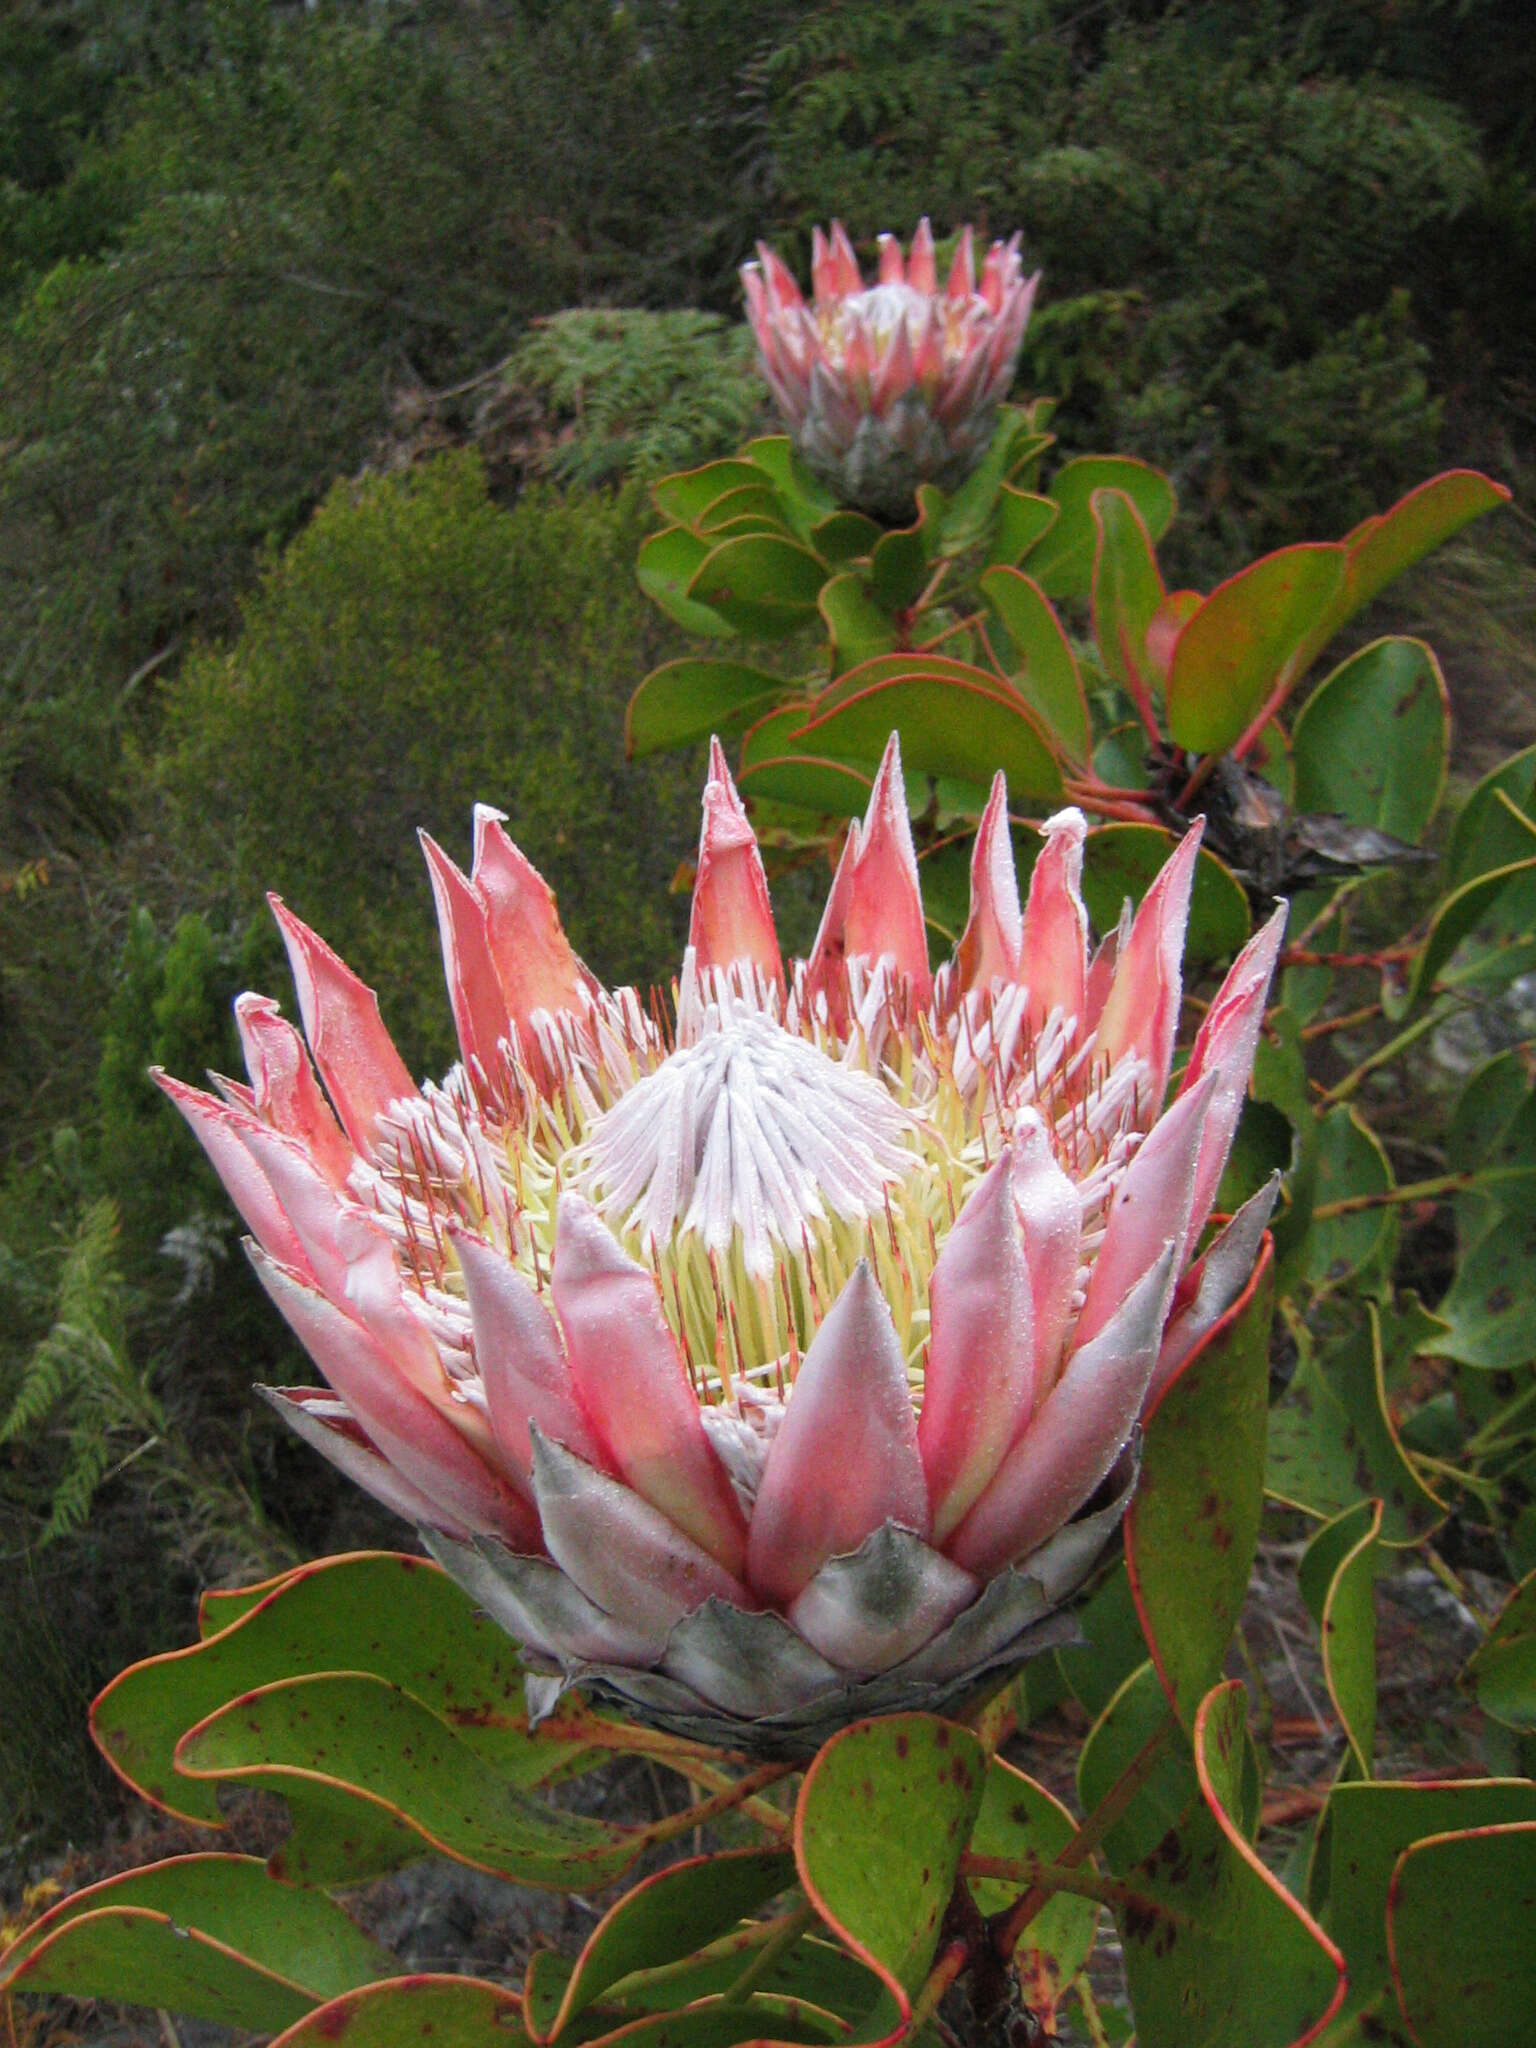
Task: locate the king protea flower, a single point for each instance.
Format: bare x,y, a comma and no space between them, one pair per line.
774,1355
888,386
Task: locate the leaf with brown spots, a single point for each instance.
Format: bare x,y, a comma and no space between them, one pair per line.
884,1814
1193,1524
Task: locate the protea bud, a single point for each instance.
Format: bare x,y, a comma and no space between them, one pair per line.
888,386
775,1357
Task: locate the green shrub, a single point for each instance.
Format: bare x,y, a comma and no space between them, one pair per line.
418,649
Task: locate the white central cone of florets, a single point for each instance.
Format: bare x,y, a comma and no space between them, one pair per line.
748,1133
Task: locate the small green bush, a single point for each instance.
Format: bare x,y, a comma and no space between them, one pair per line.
415,650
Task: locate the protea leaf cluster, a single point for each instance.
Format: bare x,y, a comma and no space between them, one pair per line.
887,386
773,1355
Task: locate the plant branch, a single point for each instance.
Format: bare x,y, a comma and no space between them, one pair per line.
1342,1091
737,1793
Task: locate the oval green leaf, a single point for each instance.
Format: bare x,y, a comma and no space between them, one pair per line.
1502,1671
1062,562
844,537
1332,1441
1385,546
858,628
689,700
805,495
1338,1582
911,1784
1459,1937
946,728
1351,1166
421,2011
668,1917
1232,1957
1127,590
1048,678
687,496
665,567
1192,1528
213,1936
754,501
1372,740
399,1617
1020,522
900,567
354,1733
758,584
1363,1831
1247,642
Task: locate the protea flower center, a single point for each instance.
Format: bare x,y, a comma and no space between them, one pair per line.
772,1355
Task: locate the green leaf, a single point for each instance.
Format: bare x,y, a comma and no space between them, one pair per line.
1487,835
1021,522
971,507
668,1917
213,1936
1502,1670
1332,1442
1192,1528
758,584
1350,1164
665,567
1247,641
1136,1715
755,501
1048,679
687,700
900,567
1062,563
776,765
1019,1818
1338,1582
1231,1956
1121,861
399,1617
806,497
812,1970
355,1733
1371,741
946,727
1456,918
1113,1647
1487,1308
686,497
911,1784
421,2011
1363,1831
1459,1936
859,629
1383,547
844,537
1127,589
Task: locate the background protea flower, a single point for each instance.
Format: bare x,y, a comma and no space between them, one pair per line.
887,386
775,1357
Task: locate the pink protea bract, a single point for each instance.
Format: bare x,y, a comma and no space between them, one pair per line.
772,1357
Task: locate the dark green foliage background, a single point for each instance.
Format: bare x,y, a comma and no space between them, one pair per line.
310,533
